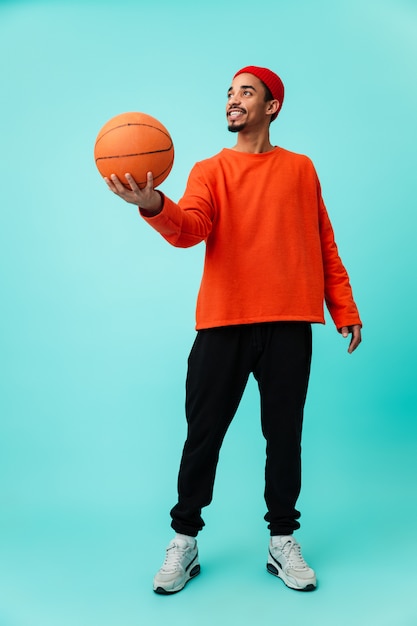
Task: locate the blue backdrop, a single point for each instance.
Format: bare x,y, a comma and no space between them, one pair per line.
97,315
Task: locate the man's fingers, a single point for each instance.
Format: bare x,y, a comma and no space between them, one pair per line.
146,198
117,182
132,183
356,338
135,187
109,184
149,181
128,191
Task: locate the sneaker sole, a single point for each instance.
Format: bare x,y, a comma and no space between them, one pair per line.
280,574
164,592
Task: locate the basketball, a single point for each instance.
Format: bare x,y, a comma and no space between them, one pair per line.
134,143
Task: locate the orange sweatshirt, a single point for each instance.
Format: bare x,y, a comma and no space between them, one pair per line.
270,249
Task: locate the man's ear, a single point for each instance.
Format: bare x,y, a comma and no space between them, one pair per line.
273,107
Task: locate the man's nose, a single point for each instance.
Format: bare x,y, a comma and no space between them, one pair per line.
234,99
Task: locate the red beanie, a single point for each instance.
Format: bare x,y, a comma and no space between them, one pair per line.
271,80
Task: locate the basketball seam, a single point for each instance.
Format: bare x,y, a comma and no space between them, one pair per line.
133,124
134,154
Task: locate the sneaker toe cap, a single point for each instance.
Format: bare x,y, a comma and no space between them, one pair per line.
167,580
306,576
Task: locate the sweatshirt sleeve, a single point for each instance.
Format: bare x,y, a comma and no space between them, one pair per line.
190,221
337,289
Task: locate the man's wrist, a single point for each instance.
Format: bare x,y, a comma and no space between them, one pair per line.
151,211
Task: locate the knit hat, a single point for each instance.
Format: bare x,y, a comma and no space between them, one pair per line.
271,80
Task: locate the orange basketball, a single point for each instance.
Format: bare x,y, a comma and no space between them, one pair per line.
135,143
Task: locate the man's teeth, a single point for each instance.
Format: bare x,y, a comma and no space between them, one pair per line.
235,113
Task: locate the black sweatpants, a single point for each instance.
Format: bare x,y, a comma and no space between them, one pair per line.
221,360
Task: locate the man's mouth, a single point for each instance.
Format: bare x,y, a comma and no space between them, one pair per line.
235,113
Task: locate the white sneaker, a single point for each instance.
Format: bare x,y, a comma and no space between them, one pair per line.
286,561
180,565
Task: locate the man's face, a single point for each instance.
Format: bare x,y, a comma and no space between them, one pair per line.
246,106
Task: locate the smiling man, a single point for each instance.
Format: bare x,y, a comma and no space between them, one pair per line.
236,109
271,263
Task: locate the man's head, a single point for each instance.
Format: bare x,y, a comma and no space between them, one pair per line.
265,81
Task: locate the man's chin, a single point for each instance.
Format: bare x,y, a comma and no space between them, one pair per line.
235,128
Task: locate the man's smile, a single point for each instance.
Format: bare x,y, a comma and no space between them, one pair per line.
235,112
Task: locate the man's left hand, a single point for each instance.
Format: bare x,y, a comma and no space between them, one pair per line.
355,330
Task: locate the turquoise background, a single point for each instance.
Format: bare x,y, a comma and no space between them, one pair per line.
97,315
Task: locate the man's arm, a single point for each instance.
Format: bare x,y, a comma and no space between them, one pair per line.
184,224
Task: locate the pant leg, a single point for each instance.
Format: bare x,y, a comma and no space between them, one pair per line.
218,370
282,372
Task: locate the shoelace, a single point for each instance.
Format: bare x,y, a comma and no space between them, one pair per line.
173,557
292,552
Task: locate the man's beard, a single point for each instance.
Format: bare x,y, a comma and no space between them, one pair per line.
235,128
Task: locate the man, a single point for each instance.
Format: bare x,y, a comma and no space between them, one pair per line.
271,261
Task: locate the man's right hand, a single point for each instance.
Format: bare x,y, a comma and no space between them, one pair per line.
146,198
